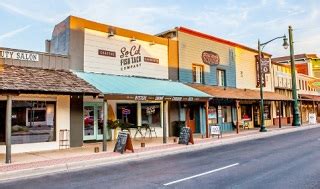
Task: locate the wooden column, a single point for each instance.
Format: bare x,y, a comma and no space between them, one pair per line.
8,129
313,107
279,108
207,119
165,121
301,112
105,123
238,115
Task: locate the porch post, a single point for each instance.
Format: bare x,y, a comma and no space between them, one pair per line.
165,122
207,119
313,107
301,112
279,105
105,125
238,116
8,129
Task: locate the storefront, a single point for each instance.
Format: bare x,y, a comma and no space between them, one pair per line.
137,101
39,103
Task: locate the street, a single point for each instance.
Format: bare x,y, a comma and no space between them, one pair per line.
284,161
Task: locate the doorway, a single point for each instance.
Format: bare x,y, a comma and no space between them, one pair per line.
92,121
193,118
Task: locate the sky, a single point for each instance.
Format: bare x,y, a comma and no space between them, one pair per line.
27,24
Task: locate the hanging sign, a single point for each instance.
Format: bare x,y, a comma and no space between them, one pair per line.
210,58
16,55
265,69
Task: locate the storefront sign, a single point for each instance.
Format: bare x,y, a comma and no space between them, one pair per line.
158,98
210,58
151,60
140,98
16,55
106,53
176,98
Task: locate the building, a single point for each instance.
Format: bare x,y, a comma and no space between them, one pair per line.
227,71
42,98
132,69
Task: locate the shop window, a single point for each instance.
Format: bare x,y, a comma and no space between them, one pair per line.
33,121
212,115
151,114
127,113
221,77
226,114
197,74
267,112
246,112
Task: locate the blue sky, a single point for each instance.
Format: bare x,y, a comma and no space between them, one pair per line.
26,24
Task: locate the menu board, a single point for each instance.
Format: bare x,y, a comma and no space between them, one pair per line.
123,143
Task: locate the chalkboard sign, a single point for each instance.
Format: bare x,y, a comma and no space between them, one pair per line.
123,143
215,130
185,136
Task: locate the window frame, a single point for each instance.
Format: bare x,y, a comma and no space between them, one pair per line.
218,75
195,77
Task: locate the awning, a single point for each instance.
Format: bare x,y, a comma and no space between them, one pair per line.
307,97
27,80
238,94
115,87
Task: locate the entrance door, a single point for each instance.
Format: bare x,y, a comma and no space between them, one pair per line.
93,121
191,120
256,115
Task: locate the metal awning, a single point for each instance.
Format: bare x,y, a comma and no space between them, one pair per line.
115,87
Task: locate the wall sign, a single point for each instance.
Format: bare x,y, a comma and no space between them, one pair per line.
16,55
210,58
106,53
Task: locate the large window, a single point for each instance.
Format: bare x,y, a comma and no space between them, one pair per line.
246,112
197,74
127,113
33,121
226,114
151,114
221,77
267,113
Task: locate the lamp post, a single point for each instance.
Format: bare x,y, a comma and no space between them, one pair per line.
260,49
296,114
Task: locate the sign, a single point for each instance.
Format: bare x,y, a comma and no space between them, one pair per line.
140,98
16,55
265,64
123,143
150,110
258,71
185,136
215,130
151,60
212,114
106,53
126,111
210,58
312,118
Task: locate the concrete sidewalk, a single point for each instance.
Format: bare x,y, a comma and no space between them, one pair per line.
36,164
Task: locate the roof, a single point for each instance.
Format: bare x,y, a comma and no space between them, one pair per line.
237,94
296,57
217,39
307,97
17,79
126,85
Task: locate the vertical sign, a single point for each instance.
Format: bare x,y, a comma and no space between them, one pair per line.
265,65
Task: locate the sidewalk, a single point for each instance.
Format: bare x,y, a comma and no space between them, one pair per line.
35,164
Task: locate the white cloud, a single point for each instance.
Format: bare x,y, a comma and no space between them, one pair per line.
13,32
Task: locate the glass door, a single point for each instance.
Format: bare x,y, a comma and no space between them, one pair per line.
93,121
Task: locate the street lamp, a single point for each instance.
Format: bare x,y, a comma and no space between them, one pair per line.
296,114
260,48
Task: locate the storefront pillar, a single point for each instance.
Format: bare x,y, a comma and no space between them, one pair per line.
165,120
301,112
207,119
238,115
8,129
139,114
105,122
279,109
313,107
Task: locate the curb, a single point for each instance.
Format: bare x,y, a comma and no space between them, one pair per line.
80,165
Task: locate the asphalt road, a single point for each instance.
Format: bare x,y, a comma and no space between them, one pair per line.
284,161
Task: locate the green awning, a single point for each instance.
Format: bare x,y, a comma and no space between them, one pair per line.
138,88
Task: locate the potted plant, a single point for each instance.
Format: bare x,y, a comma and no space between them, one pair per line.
113,125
